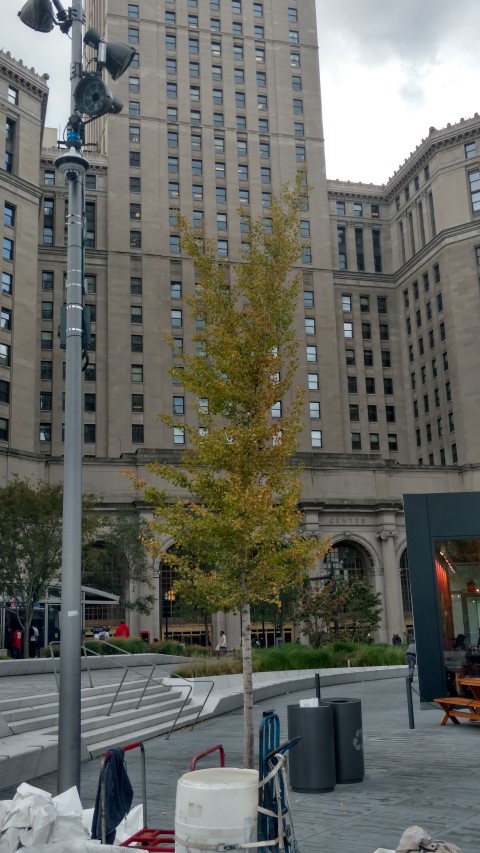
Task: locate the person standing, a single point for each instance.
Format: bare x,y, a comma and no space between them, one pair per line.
122,630
411,656
33,650
222,645
17,643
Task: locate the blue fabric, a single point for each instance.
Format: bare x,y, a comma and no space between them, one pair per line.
118,796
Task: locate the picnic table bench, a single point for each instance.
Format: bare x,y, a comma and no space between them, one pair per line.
458,706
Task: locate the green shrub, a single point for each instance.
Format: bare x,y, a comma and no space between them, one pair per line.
167,647
295,656
205,667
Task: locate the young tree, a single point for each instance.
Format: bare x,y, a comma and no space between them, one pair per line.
124,552
339,609
236,523
318,608
31,544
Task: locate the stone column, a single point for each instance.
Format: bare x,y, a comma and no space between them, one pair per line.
379,581
393,590
230,623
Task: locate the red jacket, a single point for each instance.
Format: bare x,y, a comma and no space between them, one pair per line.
122,630
17,639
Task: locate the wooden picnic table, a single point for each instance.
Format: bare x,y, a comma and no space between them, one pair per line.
473,685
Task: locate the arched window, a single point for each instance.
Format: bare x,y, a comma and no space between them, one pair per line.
350,560
405,584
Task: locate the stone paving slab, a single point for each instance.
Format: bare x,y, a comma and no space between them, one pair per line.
427,776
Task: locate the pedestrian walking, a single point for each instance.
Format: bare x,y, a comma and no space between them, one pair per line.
221,649
122,630
411,656
33,644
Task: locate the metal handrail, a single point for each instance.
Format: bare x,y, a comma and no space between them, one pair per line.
190,683
54,660
188,680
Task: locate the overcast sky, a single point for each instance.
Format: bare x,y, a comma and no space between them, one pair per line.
389,72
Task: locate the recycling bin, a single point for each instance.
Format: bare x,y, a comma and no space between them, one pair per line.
348,736
312,762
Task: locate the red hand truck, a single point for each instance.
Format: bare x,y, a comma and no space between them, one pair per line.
158,840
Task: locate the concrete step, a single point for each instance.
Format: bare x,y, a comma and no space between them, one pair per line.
89,694
96,748
129,692
95,717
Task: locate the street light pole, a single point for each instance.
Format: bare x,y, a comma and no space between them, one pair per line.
89,97
69,734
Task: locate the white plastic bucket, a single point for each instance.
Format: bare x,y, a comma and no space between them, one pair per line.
215,806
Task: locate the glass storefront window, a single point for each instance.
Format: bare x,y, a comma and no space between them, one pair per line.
457,573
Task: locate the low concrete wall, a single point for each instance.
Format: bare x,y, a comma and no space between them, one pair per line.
227,693
39,666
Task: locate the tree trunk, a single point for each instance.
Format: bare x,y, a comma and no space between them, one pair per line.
248,742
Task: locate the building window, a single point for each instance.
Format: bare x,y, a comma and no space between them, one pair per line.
374,441
4,391
312,353
359,249
10,133
356,440
45,432
340,208
372,414
348,330
392,443
370,384
136,343
47,310
354,411
135,239
387,385
313,381
377,252
368,357
179,405
9,215
366,331
314,409
136,373
470,150
350,357
342,248
346,302
352,384
178,435
386,358
316,437
4,355
90,219
7,283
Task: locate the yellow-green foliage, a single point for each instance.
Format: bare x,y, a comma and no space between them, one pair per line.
235,524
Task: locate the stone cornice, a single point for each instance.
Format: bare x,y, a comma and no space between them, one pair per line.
32,191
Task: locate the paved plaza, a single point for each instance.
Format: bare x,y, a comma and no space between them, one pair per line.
425,777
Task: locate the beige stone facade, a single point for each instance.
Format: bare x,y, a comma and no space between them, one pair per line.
221,107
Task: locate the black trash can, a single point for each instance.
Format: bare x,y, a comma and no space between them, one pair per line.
348,732
312,762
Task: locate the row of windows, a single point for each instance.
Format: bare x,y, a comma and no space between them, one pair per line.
423,374
46,371
51,177
417,214
431,342
374,439
416,186
426,285
359,249
426,402
48,278
370,388
367,331
368,358
428,312
364,303
428,429
357,209
431,457
372,414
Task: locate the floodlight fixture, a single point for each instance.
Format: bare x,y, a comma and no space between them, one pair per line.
38,15
112,55
92,97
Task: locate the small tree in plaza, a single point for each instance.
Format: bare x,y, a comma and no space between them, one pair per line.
121,564
31,543
338,609
235,524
